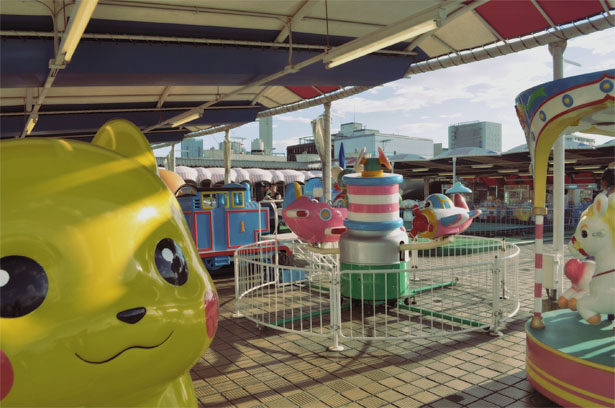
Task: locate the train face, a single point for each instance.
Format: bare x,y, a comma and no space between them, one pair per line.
221,219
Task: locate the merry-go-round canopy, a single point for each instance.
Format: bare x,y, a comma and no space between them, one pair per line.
582,103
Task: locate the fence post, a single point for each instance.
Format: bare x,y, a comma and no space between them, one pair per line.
336,318
503,270
496,313
237,290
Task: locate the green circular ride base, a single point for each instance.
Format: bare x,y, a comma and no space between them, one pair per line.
375,286
461,246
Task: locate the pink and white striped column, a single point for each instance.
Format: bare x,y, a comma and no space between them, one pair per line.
537,320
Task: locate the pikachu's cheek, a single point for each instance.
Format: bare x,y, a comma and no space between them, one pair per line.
212,312
6,375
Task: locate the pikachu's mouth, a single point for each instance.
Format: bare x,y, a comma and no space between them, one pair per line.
126,349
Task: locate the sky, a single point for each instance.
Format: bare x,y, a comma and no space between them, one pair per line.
424,105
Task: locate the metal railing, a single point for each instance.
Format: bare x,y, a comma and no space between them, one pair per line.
469,285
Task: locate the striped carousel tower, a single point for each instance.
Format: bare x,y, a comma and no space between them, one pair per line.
373,236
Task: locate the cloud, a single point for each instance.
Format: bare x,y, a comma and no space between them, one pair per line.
289,118
599,43
605,64
495,83
452,115
419,129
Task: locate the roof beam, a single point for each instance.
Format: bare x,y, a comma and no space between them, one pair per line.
28,101
317,90
294,19
259,95
449,18
80,16
544,14
187,40
605,6
488,26
444,43
163,96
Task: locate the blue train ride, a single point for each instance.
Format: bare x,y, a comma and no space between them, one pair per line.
221,219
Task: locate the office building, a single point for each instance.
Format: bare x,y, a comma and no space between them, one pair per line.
192,148
265,133
355,137
487,135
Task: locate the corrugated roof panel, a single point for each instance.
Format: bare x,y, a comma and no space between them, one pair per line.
512,18
566,11
305,92
466,32
278,95
434,48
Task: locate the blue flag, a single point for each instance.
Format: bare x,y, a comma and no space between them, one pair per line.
342,156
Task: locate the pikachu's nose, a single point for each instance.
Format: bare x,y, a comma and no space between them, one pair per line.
131,316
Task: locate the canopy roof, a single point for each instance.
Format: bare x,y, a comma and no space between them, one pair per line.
504,164
156,62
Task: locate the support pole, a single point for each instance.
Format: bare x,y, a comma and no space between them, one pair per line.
171,159
227,156
326,164
454,169
335,308
557,51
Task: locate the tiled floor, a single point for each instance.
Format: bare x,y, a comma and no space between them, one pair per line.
248,367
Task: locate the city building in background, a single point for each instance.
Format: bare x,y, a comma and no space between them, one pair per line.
236,147
355,137
192,148
487,135
304,151
257,147
265,133
579,139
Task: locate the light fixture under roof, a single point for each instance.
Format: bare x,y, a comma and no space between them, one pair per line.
378,40
82,12
573,161
31,123
482,166
187,118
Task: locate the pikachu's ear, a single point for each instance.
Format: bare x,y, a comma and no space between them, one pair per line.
126,139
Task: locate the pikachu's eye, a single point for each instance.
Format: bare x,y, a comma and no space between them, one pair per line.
171,262
23,285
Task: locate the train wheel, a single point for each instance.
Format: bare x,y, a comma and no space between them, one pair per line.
210,264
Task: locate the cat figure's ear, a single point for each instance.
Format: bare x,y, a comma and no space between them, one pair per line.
125,138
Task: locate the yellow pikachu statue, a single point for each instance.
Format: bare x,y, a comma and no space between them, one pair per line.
105,301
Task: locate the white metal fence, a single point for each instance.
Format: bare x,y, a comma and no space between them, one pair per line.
471,284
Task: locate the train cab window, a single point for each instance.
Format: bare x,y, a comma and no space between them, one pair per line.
208,201
238,199
222,199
